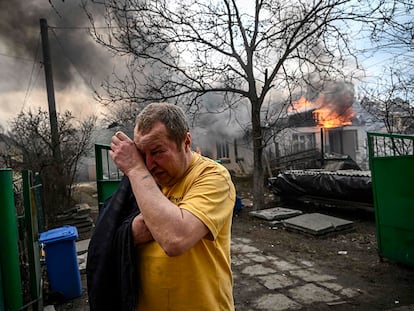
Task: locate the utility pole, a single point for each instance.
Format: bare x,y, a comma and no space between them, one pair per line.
47,63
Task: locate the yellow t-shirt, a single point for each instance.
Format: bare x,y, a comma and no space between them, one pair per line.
201,278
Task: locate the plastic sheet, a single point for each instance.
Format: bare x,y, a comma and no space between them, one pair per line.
350,185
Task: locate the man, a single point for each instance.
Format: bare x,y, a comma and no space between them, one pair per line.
186,201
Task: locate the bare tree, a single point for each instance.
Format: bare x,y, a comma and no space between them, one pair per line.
387,108
247,52
30,147
389,98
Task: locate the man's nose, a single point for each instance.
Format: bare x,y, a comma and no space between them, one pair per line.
149,161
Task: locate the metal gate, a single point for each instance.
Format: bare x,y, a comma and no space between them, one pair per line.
391,159
108,175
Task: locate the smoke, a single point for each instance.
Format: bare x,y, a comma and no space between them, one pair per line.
216,124
334,97
337,95
17,20
219,120
73,52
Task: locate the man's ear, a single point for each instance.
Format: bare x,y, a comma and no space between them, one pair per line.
187,141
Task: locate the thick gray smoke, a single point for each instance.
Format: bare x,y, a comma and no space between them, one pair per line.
340,94
73,52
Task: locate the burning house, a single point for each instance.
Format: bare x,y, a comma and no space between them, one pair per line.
322,132
322,151
315,134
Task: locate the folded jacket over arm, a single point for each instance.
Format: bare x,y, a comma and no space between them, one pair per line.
111,267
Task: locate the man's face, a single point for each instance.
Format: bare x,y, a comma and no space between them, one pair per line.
164,159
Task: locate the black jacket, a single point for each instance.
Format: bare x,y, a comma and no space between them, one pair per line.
111,267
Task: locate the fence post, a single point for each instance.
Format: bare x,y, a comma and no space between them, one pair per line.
9,250
38,199
33,250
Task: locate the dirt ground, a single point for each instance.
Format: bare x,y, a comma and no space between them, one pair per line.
383,284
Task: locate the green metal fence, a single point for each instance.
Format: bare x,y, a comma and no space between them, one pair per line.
9,249
20,278
391,159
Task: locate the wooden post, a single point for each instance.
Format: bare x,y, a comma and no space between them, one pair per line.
47,63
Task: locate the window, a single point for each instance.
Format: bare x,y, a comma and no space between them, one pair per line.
303,141
222,150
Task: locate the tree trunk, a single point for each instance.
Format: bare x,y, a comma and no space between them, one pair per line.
258,171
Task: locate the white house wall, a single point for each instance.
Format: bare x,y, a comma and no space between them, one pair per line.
286,146
242,164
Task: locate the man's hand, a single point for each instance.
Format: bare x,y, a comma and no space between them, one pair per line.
124,153
140,232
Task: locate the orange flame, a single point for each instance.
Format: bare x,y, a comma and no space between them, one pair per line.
329,119
327,115
302,104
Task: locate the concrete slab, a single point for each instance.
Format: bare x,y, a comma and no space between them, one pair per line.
255,270
283,265
243,248
310,293
276,302
256,257
332,286
317,224
276,281
312,275
239,259
275,213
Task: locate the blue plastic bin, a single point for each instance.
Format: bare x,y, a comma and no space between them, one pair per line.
61,261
